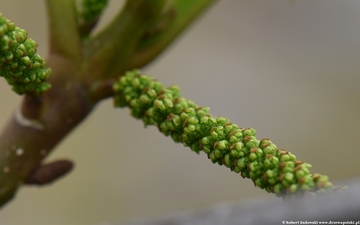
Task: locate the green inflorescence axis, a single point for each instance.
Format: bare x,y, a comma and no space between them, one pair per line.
275,170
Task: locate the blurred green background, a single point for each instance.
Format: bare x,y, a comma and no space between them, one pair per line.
288,68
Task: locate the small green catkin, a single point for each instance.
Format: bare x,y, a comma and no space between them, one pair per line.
275,170
19,65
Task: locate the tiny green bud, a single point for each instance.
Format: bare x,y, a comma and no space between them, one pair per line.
205,140
191,127
222,144
212,156
269,173
278,189
193,120
227,160
168,103
214,135
251,142
270,149
237,169
204,120
176,120
249,132
272,181
206,149
218,153
152,93
285,157
135,82
159,104
26,60
239,146
241,163
289,177
222,120
252,156
293,188
144,99
299,174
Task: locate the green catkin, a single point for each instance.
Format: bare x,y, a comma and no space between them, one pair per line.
19,65
275,170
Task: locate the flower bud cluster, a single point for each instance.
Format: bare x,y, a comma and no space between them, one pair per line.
275,170
19,65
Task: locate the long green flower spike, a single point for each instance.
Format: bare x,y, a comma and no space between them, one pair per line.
275,170
19,65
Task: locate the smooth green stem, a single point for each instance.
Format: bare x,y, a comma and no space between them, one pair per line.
108,54
151,46
63,29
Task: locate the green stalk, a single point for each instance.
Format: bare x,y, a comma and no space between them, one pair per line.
107,54
63,29
184,13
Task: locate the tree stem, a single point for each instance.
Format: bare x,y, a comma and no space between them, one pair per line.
23,144
82,75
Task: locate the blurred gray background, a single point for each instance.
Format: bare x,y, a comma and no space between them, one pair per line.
288,68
